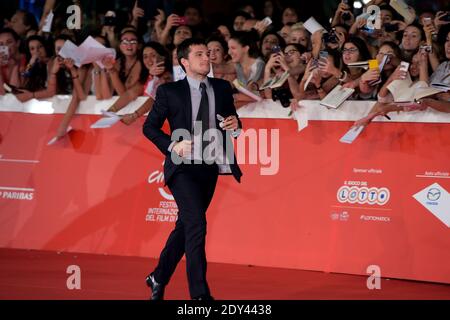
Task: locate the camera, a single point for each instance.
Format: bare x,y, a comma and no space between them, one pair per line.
284,95
346,16
5,55
276,49
388,27
110,20
182,21
330,37
428,49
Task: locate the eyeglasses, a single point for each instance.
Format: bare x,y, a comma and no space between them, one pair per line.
127,42
290,52
350,50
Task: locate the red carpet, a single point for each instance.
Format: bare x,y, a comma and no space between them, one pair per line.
31,274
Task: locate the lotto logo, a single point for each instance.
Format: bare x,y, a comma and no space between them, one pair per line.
363,195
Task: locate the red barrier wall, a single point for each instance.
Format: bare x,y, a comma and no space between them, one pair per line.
91,193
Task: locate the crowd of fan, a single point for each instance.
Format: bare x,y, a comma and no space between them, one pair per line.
247,49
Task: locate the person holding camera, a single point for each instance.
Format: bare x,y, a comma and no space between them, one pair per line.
343,15
12,62
271,41
175,28
318,79
34,77
109,28
289,60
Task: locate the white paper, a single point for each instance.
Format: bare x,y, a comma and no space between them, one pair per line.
301,116
359,64
351,134
267,21
308,80
48,22
211,72
109,119
69,50
407,91
178,73
245,91
402,8
312,25
108,113
276,81
89,51
337,96
54,139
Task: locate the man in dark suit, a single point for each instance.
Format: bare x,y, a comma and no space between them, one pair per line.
191,167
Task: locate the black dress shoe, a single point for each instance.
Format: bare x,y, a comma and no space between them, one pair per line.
157,288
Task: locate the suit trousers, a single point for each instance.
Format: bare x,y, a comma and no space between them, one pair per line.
192,186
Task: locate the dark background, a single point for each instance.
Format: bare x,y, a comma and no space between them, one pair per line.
214,10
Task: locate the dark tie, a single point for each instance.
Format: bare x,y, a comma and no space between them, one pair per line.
203,113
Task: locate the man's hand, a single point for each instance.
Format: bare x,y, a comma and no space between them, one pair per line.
183,148
231,123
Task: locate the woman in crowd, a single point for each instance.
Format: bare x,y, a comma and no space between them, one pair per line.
63,77
245,55
222,67
271,41
289,15
126,71
321,79
95,78
34,77
442,72
12,62
300,35
288,60
354,50
412,37
393,55
157,63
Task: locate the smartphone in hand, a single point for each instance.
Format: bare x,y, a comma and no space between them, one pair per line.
4,51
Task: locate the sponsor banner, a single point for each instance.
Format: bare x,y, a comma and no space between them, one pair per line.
329,206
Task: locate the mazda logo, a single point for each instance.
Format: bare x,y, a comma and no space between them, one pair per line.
434,194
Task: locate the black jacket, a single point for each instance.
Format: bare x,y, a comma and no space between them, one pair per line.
173,102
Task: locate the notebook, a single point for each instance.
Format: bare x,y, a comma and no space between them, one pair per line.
336,97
